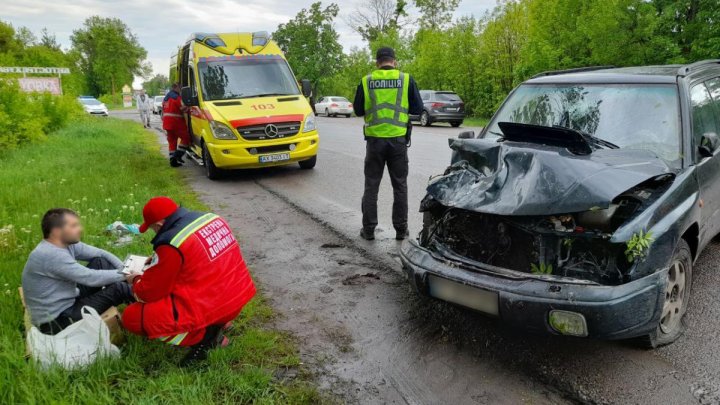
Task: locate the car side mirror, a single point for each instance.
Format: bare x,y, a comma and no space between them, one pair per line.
467,135
708,144
187,97
306,87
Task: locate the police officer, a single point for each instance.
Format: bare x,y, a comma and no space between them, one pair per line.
386,98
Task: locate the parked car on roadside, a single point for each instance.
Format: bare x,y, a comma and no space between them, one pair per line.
93,106
580,208
332,106
157,105
440,106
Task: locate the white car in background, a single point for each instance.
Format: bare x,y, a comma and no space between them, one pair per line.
332,106
157,105
93,106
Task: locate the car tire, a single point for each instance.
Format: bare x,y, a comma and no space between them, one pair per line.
327,112
308,164
211,171
348,115
676,299
456,124
425,119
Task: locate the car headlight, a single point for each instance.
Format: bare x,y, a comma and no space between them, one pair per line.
221,131
309,123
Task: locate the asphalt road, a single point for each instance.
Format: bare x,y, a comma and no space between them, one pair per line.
370,340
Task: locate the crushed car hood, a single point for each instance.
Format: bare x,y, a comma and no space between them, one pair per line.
509,178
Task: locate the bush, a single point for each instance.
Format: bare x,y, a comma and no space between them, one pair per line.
26,118
112,100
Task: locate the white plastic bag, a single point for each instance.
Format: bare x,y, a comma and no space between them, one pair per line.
75,346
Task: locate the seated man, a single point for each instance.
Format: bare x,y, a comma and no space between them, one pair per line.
56,286
198,284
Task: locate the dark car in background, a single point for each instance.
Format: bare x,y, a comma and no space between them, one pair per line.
440,106
581,207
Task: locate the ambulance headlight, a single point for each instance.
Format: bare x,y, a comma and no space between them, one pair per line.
309,123
221,131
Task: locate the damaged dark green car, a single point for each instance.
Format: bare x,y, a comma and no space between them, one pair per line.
580,209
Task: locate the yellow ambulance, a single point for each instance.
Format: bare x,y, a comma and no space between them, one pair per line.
246,108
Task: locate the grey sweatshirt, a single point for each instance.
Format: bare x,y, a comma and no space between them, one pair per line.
51,276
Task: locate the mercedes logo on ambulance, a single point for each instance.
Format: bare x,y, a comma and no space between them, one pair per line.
271,130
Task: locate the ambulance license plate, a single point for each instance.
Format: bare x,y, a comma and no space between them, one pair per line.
278,157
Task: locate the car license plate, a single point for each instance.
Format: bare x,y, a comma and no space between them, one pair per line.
278,157
453,109
461,294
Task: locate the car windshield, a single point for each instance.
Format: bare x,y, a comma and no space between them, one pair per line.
246,77
447,97
90,101
631,116
159,98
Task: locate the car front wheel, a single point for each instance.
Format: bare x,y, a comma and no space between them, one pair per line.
675,302
211,171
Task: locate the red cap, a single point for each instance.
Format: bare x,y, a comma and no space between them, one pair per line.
157,209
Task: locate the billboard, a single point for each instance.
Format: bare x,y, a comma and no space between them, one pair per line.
40,85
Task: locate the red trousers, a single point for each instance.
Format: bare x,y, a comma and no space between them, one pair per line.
133,320
175,135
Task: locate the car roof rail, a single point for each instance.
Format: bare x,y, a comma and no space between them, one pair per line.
573,70
687,69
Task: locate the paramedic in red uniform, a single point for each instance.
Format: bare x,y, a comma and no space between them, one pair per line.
197,283
175,126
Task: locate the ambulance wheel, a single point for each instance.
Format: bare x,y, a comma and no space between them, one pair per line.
308,164
425,119
211,171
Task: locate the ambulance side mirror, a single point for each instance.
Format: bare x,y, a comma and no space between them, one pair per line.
187,97
306,87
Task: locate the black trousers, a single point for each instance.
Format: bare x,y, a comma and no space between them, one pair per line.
390,152
99,298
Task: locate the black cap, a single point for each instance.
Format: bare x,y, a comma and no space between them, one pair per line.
385,53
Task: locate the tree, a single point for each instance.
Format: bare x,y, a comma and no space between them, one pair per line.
376,17
157,85
436,14
48,40
25,37
310,43
110,55
694,25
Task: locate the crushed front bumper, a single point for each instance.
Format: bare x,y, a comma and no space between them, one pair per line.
525,301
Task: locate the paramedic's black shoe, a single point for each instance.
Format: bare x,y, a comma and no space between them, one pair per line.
401,234
367,233
213,338
174,163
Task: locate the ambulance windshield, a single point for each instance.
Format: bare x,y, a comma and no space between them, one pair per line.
246,77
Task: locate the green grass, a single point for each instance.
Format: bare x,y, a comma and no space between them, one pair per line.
106,170
475,121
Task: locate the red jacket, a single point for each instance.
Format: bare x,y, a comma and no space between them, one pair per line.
173,118
200,277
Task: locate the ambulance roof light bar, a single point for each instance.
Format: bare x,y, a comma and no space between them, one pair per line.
260,38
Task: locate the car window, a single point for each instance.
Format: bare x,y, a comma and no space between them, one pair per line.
632,116
340,100
425,96
704,116
447,97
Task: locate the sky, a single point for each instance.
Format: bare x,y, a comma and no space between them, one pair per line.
162,25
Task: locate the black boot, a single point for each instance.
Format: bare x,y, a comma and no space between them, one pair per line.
401,234
199,352
174,162
179,154
367,233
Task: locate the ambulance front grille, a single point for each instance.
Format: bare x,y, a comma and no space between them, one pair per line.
266,132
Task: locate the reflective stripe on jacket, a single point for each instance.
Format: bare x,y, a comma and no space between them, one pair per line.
386,103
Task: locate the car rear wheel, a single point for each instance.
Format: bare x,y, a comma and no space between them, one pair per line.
348,115
425,119
308,164
327,112
456,124
676,298
211,171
